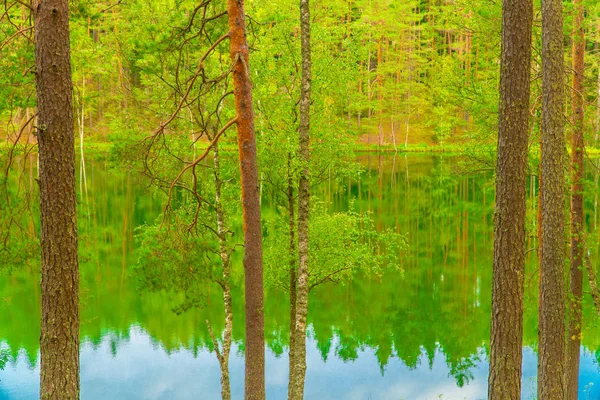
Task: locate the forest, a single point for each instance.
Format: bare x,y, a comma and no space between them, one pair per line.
335,199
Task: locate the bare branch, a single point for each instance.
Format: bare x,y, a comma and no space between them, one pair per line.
191,84
14,35
214,340
110,7
196,162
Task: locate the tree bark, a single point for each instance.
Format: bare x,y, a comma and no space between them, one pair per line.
551,358
253,267
297,386
577,170
59,345
225,254
597,86
511,178
293,274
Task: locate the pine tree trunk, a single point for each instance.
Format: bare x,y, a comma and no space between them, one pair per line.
551,358
59,345
297,386
577,170
509,244
253,267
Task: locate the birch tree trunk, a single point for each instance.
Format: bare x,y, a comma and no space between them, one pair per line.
293,274
225,254
299,369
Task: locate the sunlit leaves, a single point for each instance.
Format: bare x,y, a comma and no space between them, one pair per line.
342,244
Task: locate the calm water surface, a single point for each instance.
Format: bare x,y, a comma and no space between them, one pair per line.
417,335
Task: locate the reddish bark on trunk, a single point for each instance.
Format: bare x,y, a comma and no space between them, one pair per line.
253,268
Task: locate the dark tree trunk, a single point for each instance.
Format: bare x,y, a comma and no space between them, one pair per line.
577,169
509,244
551,358
253,267
59,345
299,369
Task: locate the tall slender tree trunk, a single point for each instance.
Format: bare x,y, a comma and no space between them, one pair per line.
293,273
551,359
407,130
58,212
597,85
379,80
577,170
225,254
82,175
509,244
253,267
597,110
297,386
393,125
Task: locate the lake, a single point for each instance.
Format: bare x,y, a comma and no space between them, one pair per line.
422,333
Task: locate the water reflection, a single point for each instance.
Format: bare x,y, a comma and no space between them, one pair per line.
139,369
143,369
415,336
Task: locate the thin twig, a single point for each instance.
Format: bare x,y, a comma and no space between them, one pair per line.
196,162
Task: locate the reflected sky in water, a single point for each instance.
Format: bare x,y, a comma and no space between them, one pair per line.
142,369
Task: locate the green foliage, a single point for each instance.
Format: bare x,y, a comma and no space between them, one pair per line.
4,356
18,246
341,244
16,60
277,92
180,258
19,241
415,71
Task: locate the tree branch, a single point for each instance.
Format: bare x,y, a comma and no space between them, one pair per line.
196,162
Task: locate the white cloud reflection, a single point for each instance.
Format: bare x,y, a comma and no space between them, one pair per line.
142,370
